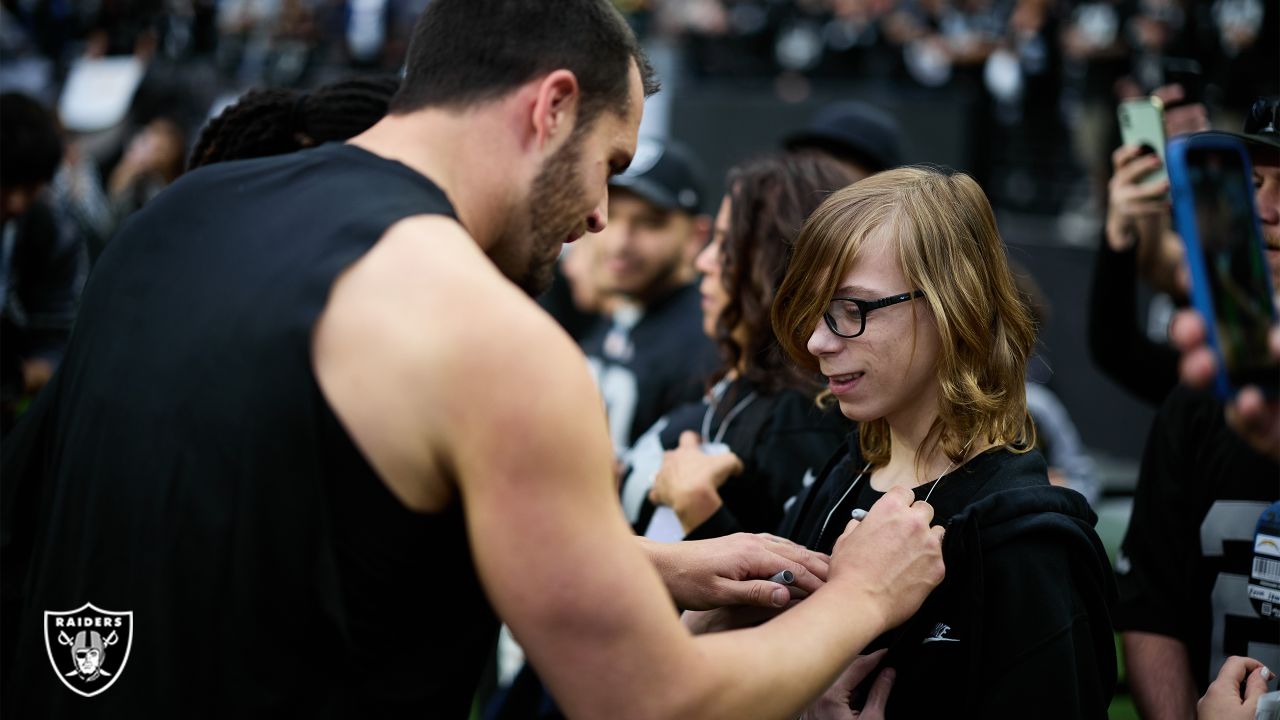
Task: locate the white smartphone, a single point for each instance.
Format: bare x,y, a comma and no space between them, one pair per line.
1142,123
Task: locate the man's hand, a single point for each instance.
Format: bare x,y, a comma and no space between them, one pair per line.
892,556
1134,207
732,570
689,478
1251,415
36,373
1181,119
834,703
1224,699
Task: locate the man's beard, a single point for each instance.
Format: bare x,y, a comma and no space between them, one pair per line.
555,202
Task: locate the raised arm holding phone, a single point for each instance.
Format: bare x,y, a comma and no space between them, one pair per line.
1210,474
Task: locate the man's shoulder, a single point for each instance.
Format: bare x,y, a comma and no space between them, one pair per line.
420,340
429,272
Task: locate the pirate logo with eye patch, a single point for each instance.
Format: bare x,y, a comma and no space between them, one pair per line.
88,647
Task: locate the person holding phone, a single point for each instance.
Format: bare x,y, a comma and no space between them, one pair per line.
1139,244
1193,564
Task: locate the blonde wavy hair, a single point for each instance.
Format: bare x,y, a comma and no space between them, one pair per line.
948,247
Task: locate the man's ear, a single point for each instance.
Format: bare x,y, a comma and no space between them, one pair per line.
555,106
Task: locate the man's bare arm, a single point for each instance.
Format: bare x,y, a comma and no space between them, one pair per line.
1159,676
509,422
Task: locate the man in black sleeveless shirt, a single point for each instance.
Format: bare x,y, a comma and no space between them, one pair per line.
310,428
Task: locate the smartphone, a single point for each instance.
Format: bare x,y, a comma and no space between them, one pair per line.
1211,181
1142,123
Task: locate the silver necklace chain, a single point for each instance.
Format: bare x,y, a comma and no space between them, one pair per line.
729,416
937,481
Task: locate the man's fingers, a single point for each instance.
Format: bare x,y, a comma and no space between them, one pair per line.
859,669
1256,420
896,495
1170,94
1147,207
1197,367
1124,154
810,573
848,528
727,465
690,439
757,593
878,697
1135,168
1250,408
923,508
815,562
1187,330
938,531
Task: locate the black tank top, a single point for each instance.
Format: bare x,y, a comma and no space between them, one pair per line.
184,466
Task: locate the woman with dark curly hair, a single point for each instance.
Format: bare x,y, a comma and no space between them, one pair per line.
732,461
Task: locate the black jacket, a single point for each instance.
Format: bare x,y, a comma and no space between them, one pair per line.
1021,625
783,440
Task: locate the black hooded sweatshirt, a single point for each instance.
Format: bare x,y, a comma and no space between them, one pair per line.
1021,625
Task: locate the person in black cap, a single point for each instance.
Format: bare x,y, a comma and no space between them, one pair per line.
863,137
650,354
1194,567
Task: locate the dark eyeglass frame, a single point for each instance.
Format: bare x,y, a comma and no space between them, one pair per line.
865,307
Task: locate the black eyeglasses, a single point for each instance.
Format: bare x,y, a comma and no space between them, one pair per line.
847,317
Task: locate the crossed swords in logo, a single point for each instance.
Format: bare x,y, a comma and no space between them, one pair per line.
108,641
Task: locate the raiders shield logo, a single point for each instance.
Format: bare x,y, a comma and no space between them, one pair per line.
88,647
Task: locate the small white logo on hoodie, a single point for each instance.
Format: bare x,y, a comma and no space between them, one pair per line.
939,634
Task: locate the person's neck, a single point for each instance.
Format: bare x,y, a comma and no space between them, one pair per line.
459,151
908,432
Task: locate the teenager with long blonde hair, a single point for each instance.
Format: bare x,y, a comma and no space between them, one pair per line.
900,294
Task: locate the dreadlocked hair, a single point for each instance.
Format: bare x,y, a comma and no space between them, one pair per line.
275,121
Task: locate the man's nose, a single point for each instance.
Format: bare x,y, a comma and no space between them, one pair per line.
1268,202
599,217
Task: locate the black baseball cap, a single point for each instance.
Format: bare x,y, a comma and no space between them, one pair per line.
1261,132
1262,126
666,174
854,130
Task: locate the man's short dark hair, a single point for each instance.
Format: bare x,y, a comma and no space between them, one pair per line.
470,51
30,141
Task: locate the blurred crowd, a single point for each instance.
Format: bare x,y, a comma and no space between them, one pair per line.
1028,72
131,82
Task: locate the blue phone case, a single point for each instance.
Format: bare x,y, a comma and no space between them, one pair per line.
1184,216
